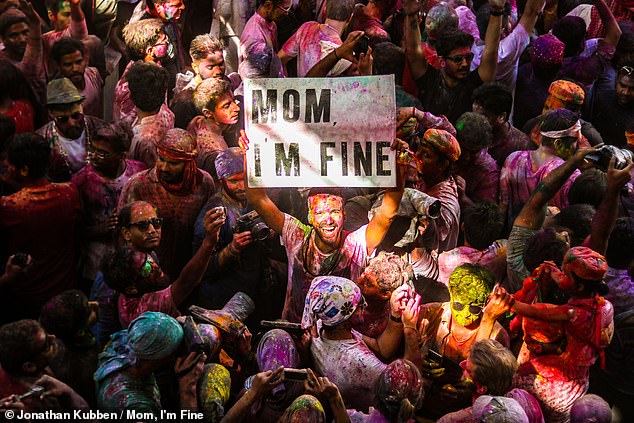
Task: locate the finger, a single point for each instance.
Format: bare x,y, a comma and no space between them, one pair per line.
612,164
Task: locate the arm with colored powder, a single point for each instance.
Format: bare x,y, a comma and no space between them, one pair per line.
555,314
78,28
325,65
32,62
605,218
381,221
496,307
533,213
263,383
327,392
386,345
194,270
425,119
410,317
258,198
489,61
416,58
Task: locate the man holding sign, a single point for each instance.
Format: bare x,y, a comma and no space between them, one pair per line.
323,248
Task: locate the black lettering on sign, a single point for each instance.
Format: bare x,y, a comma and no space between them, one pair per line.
261,114
258,160
325,157
361,159
281,159
316,111
344,159
291,111
380,158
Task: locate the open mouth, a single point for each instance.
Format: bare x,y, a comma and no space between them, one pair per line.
329,229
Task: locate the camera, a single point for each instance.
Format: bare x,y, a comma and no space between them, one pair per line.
253,223
601,158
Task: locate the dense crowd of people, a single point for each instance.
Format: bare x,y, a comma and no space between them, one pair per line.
144,280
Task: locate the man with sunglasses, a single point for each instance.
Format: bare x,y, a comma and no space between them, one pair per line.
450,329
262,28
69,132
611,109
448,91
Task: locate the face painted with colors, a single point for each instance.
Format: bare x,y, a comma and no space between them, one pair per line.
468,293
170,11
565,147
326,214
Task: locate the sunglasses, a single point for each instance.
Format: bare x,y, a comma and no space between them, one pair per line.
458,59
473,309
148,266
627,70
64,119
100,153
144,225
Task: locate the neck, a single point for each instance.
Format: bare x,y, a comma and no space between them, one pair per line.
337,333
323,246
338,26
141,114
449,80
431,180
114,172
501,131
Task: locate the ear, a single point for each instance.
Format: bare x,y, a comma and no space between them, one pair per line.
442,62
208,114
125,233
502,118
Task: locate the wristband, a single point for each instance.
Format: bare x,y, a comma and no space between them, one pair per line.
497,12
396,319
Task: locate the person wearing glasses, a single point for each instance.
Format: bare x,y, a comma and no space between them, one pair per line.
612,109
69,132
41,220
261,28
100,183
178,189
451,329
448,91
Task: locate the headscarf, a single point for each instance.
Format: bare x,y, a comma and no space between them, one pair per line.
444,142
564,95
332,299
229,162
529,404
547,51
151,336
584,263
590,408
213,391
498,410
441,17
179,145
305,409
277,348
467,21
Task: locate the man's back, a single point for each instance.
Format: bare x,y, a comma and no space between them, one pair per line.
42,222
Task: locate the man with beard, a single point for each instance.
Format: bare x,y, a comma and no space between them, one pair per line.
323,248
448,91
178,190
134,272
21,37
69,132
70,56
144,41
612,110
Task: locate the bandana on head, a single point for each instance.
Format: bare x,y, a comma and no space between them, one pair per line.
444,142
330,299
229,162
584,263
305,409
529,404
564,95
180,146
498,409
213,390
151,336
547,51
573,131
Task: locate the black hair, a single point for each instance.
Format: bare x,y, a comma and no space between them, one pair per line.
9,19
116,135
389,59
119,270
66,46
31,150
570,30
625,46
589,188
66,315
261,2
452,40
339,10
483,14
148,84
17,346
494,98
545,245
620,252
577,219
483,224
7,130
473,132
